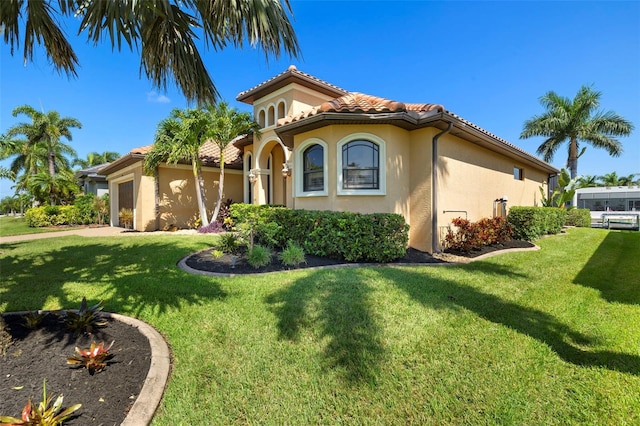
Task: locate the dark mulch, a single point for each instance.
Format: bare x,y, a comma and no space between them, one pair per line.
34,355
237,263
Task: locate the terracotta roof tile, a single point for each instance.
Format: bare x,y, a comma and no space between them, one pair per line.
292,71
209,153
360,103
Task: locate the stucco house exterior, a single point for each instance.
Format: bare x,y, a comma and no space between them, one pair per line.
325,148
91,181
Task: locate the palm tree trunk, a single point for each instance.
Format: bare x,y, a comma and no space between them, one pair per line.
573,157
220,189
197,174
52,173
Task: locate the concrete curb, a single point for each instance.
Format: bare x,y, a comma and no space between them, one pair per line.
148,400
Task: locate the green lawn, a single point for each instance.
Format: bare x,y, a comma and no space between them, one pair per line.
530,338
15,225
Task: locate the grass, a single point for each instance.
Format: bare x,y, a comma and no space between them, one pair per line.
546,337
16,225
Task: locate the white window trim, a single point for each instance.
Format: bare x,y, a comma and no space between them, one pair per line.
382,159
299,170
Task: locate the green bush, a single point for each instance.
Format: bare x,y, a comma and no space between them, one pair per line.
86,211
379,237
227,242
292,255
578,217
530,223
258,256
36,217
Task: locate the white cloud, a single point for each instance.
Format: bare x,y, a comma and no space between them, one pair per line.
154,96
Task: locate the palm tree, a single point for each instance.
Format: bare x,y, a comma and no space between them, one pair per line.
46,129
224,125
43,135
576,121
60,188
609,179
179,138
587,181
95,159
627,180
165,31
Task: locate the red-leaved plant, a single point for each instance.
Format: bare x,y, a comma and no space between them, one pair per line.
93,359
474,235
43,414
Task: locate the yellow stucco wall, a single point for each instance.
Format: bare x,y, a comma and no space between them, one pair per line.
177,193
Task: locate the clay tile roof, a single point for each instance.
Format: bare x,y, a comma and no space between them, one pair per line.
209,153
360,103
291,74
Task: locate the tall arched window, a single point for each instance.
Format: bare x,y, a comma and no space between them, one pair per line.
271,116
360,165
261,118
281,110
313,169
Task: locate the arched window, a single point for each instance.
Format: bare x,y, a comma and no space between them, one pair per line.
312,160
261,119
360,165
313,169
281,110
270,116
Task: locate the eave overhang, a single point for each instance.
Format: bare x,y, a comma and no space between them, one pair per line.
411,120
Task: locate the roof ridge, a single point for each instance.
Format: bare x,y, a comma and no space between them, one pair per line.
292,69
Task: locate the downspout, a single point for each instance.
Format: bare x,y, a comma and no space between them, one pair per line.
435,244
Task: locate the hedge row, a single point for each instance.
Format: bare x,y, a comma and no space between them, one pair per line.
355,237
578,217
530,223
82,212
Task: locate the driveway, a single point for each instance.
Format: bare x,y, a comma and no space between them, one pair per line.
91,232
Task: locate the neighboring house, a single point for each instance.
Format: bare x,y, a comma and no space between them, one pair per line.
93,182
603,199
324,148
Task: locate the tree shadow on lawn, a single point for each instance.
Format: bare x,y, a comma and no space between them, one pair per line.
570,345
614,269
341,301
131,276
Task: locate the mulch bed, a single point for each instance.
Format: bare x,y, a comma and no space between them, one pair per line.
237,263
35,355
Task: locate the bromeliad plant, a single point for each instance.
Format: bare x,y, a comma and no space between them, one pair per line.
44,414
93,359
87,319
33,319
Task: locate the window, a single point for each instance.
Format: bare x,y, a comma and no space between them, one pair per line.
271,116
313,169
261,118
311,158
360,165
281,109
518,173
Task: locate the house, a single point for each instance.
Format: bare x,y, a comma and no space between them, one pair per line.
325,148
91,181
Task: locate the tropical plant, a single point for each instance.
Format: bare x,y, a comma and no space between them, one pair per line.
179,138
563,194
86,319
93,359
125,217
42,147
224,125
95,158
587,181
32,319
60,188
44,414
577,121
165,31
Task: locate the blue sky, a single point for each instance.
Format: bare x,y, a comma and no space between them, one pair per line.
488,62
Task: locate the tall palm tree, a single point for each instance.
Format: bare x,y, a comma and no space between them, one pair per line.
95,159
576,121
179,138
165,32
627,180
46,130
609,179
224,125
60,188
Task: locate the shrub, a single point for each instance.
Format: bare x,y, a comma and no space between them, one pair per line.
125,217
227,242
292,255
530,223
378,237
93,359
473,235
212,228
578,217
86,319
36,217
86,212
258,256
